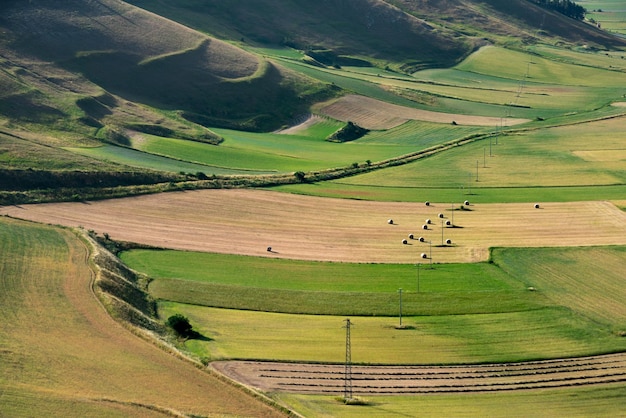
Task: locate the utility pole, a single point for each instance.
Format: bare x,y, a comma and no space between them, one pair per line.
400,291
418,277
347,387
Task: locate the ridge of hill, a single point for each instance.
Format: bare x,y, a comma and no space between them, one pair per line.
408,34
142,57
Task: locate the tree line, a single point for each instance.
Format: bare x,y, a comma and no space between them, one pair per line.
566,7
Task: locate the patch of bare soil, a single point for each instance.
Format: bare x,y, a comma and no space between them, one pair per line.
312,228
375,114
303,125
406,380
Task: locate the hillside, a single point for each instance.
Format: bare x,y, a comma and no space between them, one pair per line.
144,58
407,34
77,75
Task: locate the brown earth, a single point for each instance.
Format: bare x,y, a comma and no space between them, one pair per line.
407,380
375,114
311,228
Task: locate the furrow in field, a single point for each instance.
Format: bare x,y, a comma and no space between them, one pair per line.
379,380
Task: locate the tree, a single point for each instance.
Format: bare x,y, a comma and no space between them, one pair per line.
180,324
299,176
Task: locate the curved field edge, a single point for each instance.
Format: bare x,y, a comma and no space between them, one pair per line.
55,330
575,309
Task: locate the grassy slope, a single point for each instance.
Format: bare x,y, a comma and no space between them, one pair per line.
371,29
62,355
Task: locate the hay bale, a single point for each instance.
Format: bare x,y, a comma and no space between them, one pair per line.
448,223
390,221
536,205
424,226
411,236
427,203
269,249
448,242
441,216
466,203
421,239
404,242
424,255
428,221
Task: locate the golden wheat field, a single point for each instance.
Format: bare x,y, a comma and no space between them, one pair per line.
312,228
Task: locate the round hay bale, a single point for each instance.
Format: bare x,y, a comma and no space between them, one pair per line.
411,236
448,223
427,203
405,242
269,249
448,242
424,226
441,215
466,203
536,205
424,255
390,221
421,239
428,221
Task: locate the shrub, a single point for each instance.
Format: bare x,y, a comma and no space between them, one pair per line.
180,324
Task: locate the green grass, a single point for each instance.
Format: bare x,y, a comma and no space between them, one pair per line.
134,158
566,163
610,14
587,281
470,190
569,402
262,284
263,152
463,313
449,339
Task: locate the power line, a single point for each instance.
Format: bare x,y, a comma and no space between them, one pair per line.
347,387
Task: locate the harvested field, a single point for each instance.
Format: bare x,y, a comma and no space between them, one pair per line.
406,380
61,354
311,228
375,114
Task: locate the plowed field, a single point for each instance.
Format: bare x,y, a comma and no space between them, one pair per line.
403,380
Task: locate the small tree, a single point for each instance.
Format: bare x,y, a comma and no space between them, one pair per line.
180,324
299,176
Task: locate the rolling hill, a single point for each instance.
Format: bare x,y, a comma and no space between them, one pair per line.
87,73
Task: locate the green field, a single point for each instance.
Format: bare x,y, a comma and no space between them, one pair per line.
607,401
610,14
463,313
550,87
566,163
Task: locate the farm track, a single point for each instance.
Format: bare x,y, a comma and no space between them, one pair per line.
407,380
